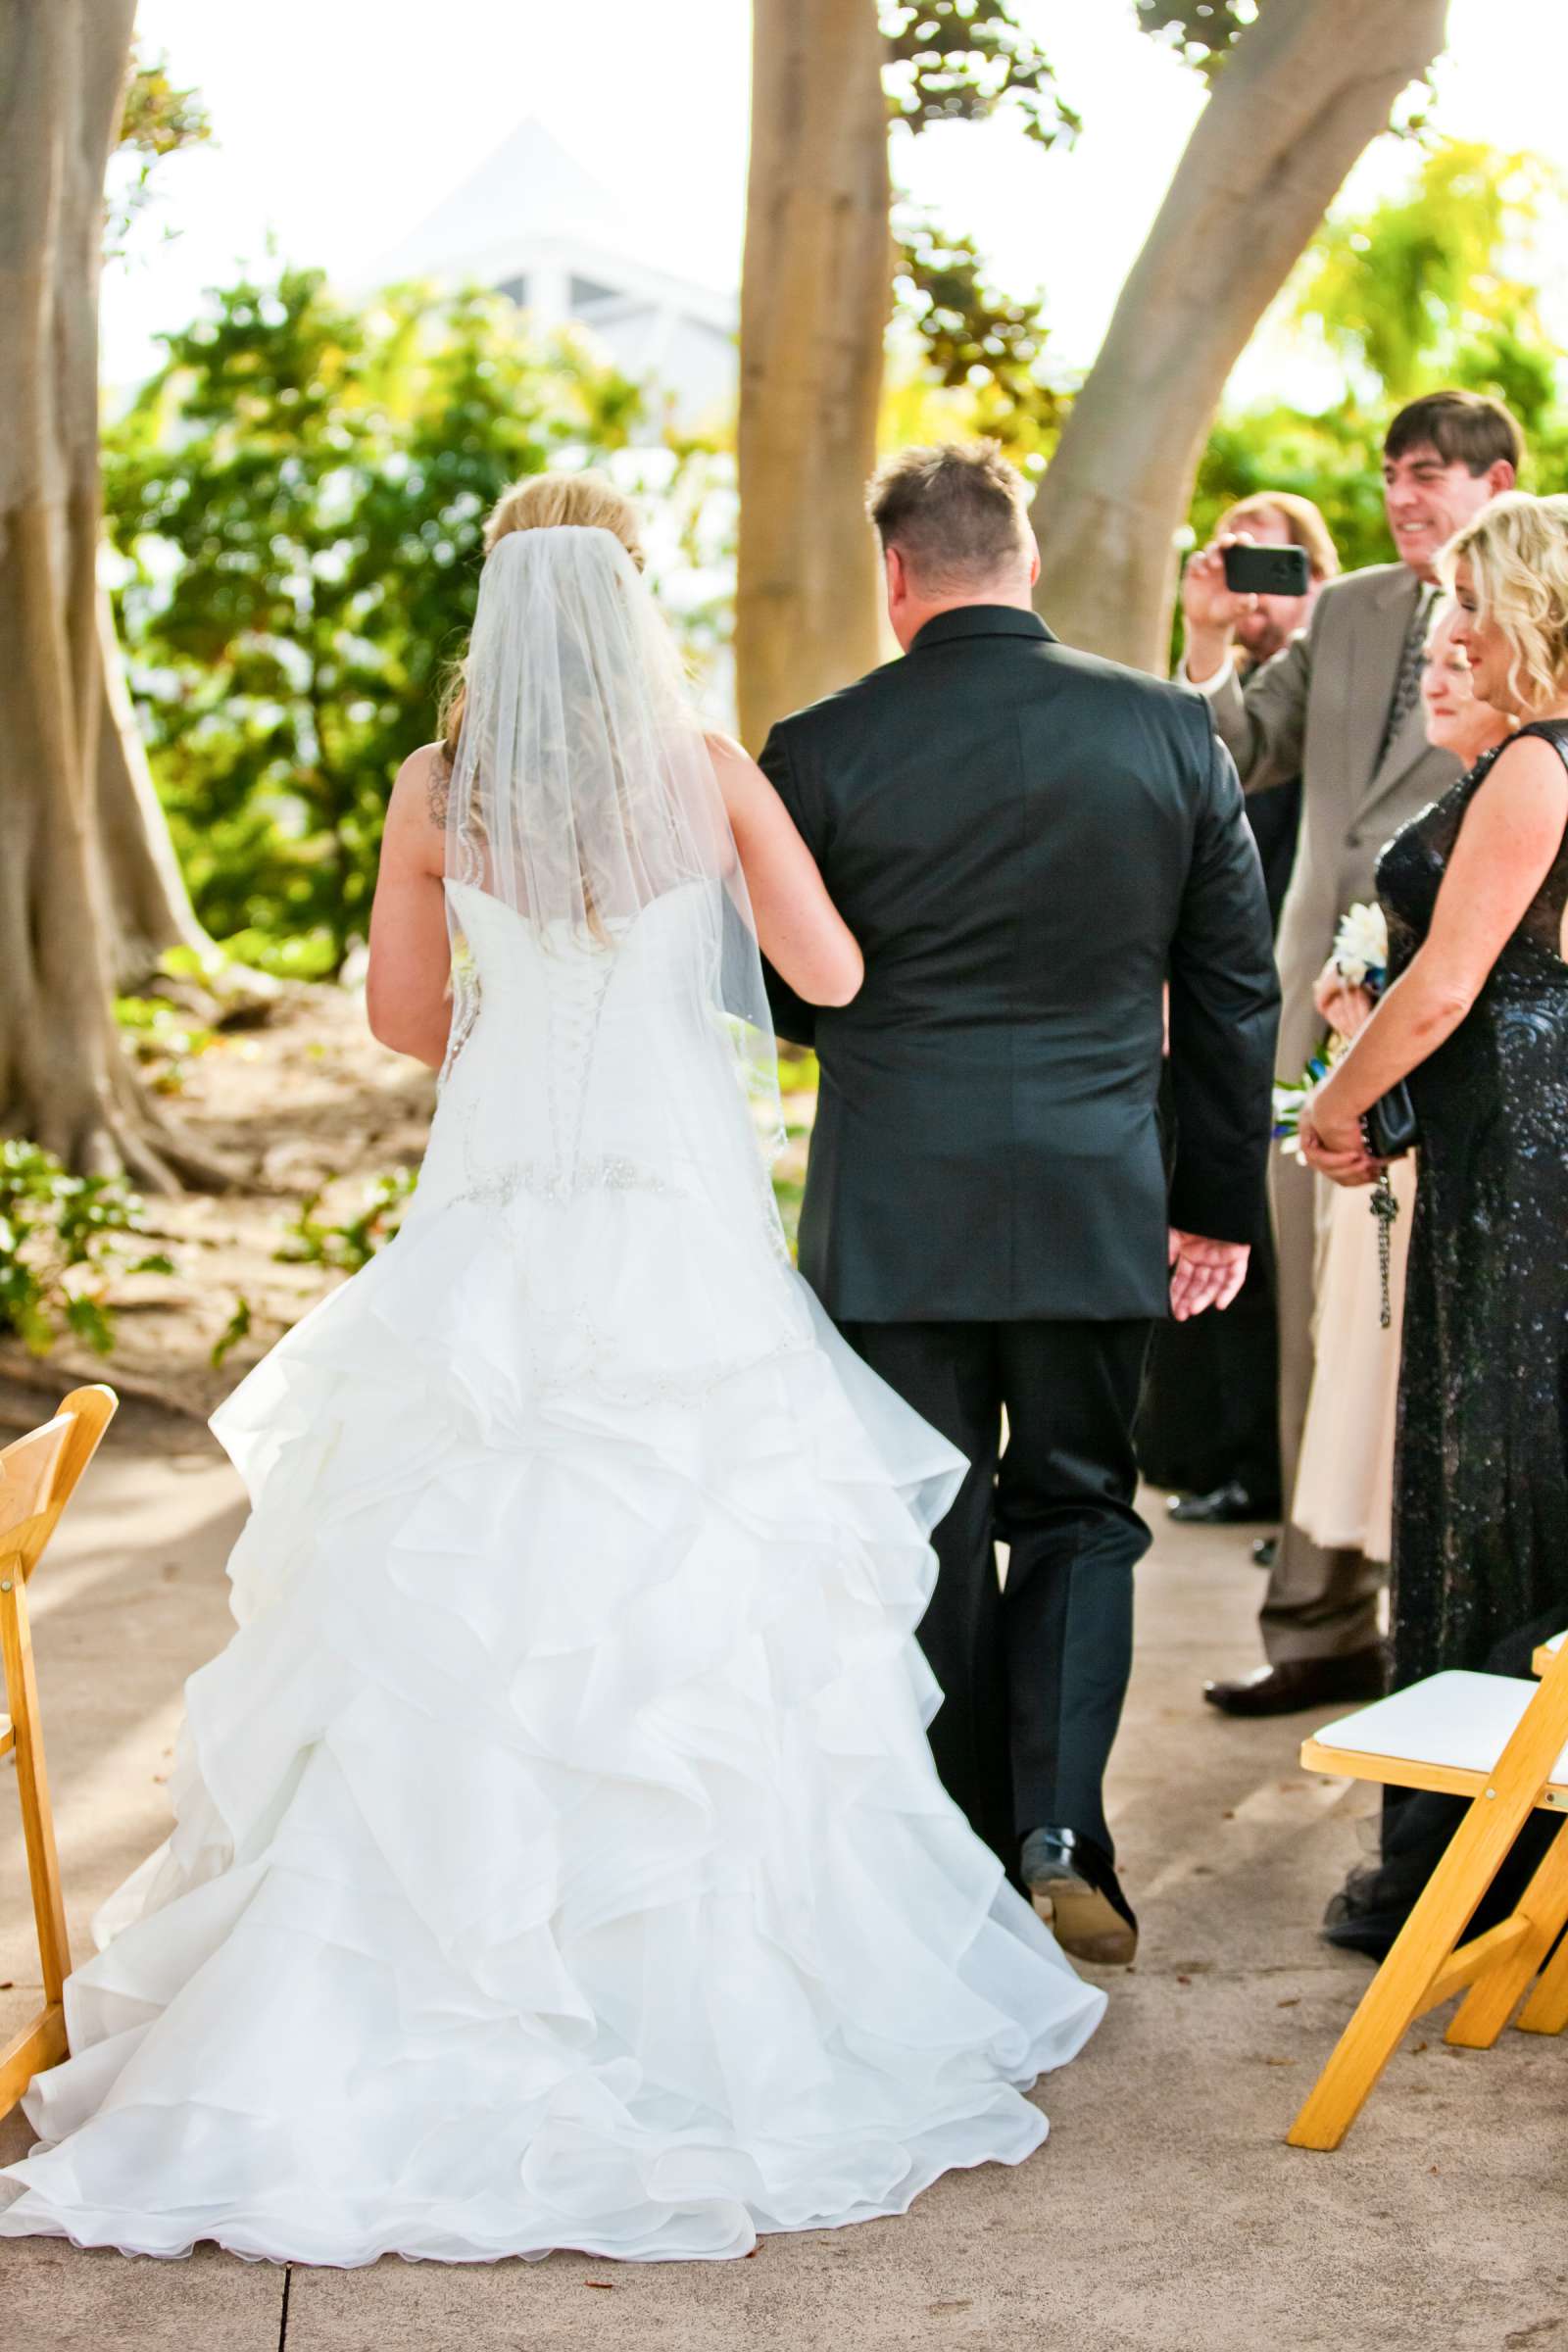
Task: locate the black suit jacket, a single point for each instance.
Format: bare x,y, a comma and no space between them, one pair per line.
1028,842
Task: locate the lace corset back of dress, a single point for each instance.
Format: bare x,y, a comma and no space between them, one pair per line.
590,1063
1412,868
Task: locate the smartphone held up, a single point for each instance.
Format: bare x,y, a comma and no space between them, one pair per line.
1267,570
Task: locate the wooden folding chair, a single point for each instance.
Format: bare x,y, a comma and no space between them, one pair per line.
37,1477
1500,1741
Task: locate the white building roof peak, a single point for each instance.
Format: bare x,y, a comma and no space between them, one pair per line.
529,187
536,224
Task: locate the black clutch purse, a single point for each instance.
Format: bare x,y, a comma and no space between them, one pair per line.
1389,1127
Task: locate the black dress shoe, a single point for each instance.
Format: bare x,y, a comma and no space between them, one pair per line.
1299,1682
1265,1551
1074,1883
1373,1940
1229,1505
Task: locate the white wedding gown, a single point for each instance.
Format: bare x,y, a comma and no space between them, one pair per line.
559,1859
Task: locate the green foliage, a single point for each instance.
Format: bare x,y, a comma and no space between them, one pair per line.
789,1191
1204,31
958,61
962,61
163,1039
798,1072
237,1328
299,495
309,1241
60,1238
157,121
977,337
1427,283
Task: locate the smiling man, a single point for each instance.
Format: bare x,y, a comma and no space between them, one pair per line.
1341,708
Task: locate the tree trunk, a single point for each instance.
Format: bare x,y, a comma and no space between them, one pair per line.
146,901
815,295
64,1078
1306,88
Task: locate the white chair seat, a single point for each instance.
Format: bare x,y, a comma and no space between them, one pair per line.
1455,1722
1488,1739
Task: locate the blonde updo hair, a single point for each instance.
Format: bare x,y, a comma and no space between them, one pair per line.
586,501
541,502
1517,551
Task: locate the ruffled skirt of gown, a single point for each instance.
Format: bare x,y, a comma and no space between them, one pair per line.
559,1860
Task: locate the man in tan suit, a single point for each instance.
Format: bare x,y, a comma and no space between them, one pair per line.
1341,708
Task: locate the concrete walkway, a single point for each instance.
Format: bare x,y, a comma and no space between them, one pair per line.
1164,2215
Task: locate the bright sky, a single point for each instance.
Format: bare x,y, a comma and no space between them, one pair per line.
340,123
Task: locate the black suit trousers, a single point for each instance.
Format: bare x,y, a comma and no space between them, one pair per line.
1033,1675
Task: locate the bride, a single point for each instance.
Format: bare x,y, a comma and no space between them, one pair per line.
559,1859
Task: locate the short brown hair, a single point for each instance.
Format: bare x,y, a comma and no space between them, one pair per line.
1303,521
956,512
1465,428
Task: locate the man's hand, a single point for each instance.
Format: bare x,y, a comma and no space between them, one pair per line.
1210,610
1204,1273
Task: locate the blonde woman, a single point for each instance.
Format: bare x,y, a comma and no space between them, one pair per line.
1345,1480
1476,1018
559,1858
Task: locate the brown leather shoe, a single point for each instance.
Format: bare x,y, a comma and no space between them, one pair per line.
1296,1684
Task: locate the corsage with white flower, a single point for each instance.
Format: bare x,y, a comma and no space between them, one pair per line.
1361,949
1360,956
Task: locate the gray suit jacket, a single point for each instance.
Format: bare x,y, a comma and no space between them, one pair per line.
1318,711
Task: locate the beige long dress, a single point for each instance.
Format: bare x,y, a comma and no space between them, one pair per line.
1344,1477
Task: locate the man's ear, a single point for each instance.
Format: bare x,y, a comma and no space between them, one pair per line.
898,579
1034,559
1501,477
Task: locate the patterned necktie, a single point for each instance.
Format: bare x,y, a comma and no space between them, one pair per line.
1408,677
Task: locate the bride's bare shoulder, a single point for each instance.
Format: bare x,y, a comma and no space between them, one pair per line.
733,765
417,812
422,786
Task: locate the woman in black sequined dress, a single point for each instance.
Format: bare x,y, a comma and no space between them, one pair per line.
1476,1018
1481,1541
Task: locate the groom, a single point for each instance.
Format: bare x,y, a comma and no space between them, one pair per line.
1029,844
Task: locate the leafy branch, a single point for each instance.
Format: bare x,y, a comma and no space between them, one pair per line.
157,121
958,61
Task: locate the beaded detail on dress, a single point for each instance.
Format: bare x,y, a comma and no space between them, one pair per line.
1481,1480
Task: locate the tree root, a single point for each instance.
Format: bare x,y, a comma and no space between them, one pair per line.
157,1153
121,1131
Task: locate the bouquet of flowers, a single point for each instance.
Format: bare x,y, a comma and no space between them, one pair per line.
1291,1097
1360,956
